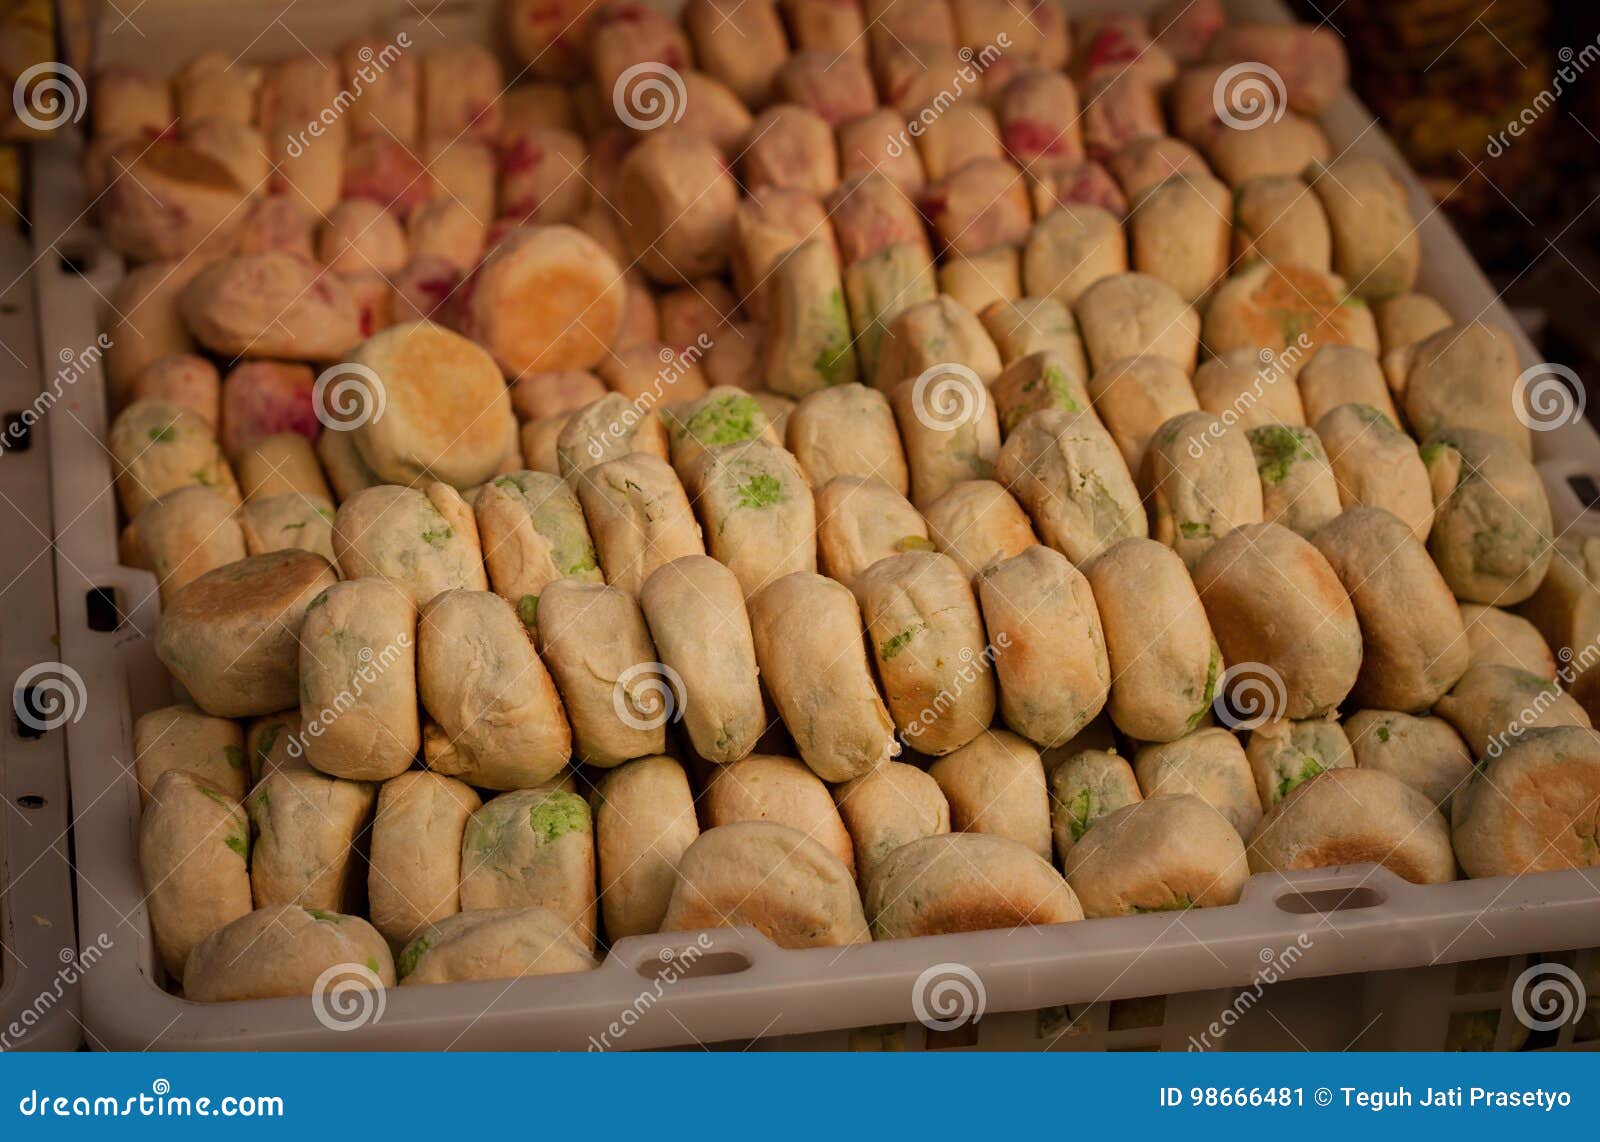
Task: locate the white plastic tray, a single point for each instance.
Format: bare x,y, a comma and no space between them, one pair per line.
1359,919
39,963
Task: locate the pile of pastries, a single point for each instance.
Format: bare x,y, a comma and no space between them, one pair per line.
857,470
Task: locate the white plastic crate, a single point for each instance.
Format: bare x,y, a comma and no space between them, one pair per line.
39,959
1085,984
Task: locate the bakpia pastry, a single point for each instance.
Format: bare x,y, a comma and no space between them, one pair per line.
995,784
414,866
644,821
1533,808
1273,600
358,680
1165,662
285,950
814,666
893,805
1083,789
1424,752
230,637
595,643
532,848
1163,854
1036,382
497,722
861,520
1415,646
183,738
1210,764
978,523
493,943
768,787
772,878
1050,661
696,612
1352,816
1283,754
927,637
965,882
639,517
424,541
847,430
1066,470
306,830
194,853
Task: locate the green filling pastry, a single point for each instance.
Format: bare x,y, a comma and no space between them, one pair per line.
898,643
557,815
1277,448
726,420
1309,768
414,951
761,491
